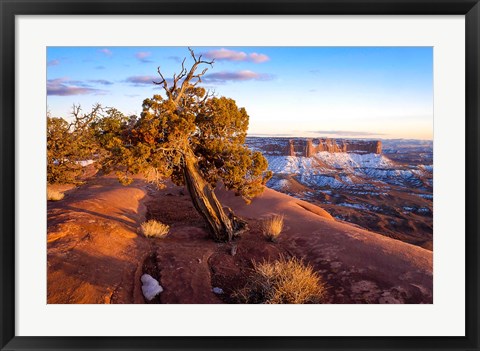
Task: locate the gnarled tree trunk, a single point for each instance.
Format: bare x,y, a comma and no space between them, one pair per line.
222,226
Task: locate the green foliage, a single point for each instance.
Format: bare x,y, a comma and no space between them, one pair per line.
219,146
68,144
59,147
113,134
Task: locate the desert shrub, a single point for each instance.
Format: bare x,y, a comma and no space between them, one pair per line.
272,227
285,281
153,228
70,145
54,195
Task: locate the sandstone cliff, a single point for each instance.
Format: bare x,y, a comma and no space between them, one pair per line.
309,147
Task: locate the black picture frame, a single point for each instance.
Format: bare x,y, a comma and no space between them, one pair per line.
10,8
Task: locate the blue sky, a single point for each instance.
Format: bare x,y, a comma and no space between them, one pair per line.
350,92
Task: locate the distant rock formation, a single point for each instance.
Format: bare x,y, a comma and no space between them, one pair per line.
341,145
309,147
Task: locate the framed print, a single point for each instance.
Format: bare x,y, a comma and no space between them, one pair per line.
199,175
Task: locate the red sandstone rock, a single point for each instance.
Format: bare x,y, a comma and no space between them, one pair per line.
309,147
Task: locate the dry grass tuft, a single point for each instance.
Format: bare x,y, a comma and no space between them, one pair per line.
153,228
286,281
54,195
272,227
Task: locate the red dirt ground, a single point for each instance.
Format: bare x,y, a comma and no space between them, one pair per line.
95,254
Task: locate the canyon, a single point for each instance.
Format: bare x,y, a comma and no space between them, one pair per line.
384,186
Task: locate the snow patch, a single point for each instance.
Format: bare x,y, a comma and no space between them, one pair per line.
344,170
425,196
85,163
217,291
150,287
332,160
350,161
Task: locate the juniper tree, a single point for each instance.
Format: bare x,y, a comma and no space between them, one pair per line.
68,144
193,138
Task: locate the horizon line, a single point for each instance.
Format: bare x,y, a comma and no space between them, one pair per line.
263,135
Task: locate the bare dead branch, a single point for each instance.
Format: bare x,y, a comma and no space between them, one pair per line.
192,54
207,96
83,121
166,149
183,72
184,78
191,75
164,83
